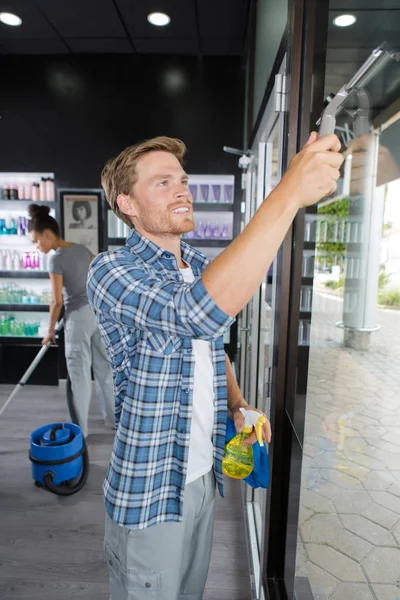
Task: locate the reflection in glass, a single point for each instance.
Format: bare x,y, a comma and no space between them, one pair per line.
349,543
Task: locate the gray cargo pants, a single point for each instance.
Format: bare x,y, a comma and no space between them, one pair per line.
169,561
84,349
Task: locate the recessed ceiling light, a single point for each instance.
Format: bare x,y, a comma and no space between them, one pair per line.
344,20
158,19
10,19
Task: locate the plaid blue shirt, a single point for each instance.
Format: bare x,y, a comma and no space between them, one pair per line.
148,317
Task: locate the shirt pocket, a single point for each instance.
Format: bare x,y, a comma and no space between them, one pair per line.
165,344
131,583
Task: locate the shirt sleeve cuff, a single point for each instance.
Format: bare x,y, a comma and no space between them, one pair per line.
207,314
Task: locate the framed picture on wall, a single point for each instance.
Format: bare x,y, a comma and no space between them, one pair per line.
80,214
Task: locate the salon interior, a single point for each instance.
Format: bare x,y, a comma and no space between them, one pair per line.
242,83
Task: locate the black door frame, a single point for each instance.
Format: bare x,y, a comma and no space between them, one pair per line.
304,41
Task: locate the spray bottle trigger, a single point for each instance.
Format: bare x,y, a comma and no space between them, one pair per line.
259,429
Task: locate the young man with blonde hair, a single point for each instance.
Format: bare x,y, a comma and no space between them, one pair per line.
162,310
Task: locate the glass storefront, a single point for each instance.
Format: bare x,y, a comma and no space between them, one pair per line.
349,348
336,415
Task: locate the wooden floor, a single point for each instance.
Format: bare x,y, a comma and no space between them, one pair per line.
51,548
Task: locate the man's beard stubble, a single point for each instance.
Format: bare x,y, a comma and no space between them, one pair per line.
165,227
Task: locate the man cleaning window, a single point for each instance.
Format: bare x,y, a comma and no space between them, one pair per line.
162,310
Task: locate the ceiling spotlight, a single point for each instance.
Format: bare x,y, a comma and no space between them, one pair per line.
158,19
10,19
344,20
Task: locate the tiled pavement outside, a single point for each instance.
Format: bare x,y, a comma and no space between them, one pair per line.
349,538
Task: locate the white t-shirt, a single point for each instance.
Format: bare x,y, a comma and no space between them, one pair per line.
200,459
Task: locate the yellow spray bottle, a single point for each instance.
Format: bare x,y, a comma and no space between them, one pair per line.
238,460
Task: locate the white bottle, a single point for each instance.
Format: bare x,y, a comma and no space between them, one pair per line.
50,189
21,191
27,191
16,262
35,192
8,264
42,189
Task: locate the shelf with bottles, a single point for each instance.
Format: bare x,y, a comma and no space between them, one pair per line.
212,189
200,244
203,207
15,297
13,224
33,187
304,333
21,325
306,293
210,192
334,264
24,274
18,205
308,263
333,229
208,226
23,261
355,266
24,307
211,226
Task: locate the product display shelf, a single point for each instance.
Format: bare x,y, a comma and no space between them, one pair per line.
27,187
23,204
306,291
307,282
22,340
198,243
24,274
212,207
18,351
207,243
24,307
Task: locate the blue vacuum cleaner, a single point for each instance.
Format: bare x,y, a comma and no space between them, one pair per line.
59,458
58,452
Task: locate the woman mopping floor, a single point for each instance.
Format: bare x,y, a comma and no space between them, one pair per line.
84,348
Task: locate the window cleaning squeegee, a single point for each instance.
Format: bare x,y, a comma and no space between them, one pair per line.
374,63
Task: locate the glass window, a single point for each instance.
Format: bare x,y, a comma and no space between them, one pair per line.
349,339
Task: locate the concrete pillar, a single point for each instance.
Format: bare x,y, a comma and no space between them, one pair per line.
363,237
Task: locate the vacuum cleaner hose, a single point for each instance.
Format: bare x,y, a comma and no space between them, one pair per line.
65,489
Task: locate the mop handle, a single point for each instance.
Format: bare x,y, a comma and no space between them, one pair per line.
31,367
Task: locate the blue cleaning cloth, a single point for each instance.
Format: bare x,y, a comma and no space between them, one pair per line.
260,474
